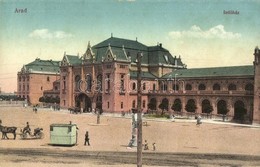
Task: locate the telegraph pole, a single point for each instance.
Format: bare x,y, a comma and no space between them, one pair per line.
139,113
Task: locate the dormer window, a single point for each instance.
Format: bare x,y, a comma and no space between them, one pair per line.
166,58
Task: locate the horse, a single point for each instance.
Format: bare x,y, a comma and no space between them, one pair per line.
5,130
74,110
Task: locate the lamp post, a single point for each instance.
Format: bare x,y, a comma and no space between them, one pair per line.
175,82
139,112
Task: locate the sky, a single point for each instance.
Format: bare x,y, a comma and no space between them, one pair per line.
203,32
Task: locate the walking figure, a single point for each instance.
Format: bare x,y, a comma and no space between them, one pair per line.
86,139
154,146
198,120
146,145
35,109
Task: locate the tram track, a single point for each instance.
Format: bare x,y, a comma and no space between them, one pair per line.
112,158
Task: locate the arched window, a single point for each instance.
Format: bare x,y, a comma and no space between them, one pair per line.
134,86
239,110
177,106
144,86
175,87
216,86
202,87
165,87
191,106
154,87
222,107
188,87
232,87
89,82
152,104
249,87
164,104
206,106
99,83
77,82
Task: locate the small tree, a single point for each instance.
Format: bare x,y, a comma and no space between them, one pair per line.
223,110
164,106
207,108
177,106
191,106
152,106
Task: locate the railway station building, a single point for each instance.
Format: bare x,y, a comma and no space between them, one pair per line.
105,77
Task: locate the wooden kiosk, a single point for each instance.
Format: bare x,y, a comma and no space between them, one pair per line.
63,134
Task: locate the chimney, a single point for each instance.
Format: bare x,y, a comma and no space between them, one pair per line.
160,45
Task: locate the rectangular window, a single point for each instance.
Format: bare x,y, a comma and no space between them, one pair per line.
64,102
122,83
48,78
28,87
108,82
122,105
107,104
143,103
122,66
109,66
64,85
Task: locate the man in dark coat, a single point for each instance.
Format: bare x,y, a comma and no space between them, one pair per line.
86,139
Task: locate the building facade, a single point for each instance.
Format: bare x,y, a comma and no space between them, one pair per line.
105,76
35,78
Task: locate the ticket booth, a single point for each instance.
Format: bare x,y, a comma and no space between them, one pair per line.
63,134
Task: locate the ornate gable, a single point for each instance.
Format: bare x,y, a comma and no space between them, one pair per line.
23,70
109,56
89,55
65,61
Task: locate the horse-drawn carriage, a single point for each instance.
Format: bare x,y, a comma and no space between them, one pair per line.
37,134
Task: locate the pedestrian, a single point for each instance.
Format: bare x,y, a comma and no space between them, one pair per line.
154,146
146,145
199,120
86,139
35,109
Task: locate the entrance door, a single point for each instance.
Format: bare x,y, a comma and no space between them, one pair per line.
240,111
83,101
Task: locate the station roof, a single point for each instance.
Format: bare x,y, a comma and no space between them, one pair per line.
231,71
44,66
74,60
144,74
